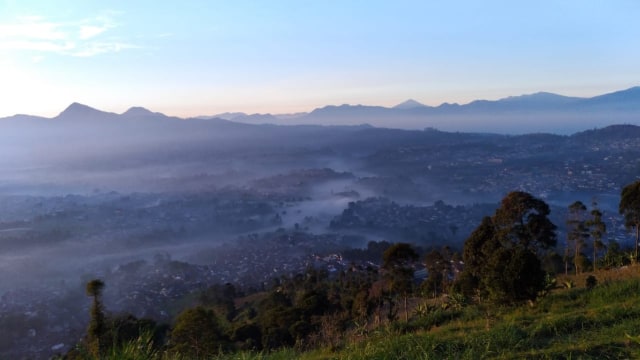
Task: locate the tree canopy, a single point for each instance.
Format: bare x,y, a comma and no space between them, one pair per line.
523,219
97,324
197,334
501,255
630,208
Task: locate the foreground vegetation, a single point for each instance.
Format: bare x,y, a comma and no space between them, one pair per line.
577,323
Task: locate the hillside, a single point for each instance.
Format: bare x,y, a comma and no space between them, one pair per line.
598,323
602,322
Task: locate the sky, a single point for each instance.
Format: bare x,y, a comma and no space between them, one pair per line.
189,58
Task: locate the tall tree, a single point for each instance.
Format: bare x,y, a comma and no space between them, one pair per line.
577,233
197,334
398,261
523,219
597,229
630,208
97,319
434,262
440,270
501,255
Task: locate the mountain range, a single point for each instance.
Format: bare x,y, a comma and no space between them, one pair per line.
532,113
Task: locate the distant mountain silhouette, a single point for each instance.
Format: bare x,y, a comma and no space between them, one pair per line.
255,118
409,104
225,116
79,112
138,111
539,112
623,100
531,113
538,101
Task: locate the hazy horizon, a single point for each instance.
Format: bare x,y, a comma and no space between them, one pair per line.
126,108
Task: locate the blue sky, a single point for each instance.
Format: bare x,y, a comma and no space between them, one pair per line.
189,58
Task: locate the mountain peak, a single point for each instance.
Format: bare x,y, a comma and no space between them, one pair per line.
81,111
138,111
409,104
539,96
77,108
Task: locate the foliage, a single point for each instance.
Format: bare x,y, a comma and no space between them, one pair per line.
577,234
567,323
398,261
196,334
440,269
501,255
97,326
524,220
630,208
598,229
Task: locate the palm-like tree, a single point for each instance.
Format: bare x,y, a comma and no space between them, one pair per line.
97,321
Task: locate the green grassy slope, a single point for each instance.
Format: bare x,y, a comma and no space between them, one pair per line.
576,323
602,323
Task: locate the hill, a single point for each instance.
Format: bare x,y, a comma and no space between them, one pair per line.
538,112
601,322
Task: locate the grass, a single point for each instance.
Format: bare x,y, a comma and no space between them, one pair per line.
602,323
576,323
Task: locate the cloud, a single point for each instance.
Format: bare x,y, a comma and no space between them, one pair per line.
32,28
80,38
39,46
89,31
97,48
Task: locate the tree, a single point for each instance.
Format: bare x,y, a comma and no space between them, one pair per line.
125,328
197,334
398,261
597,230
577,233
97,318
523,219
630,208
475,247
439,269
614,256
434,262
501,255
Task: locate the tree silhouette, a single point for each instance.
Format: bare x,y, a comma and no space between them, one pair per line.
501,255
598,229
197,334
630,208
97,320
523,219
398,262
439,269
577,233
